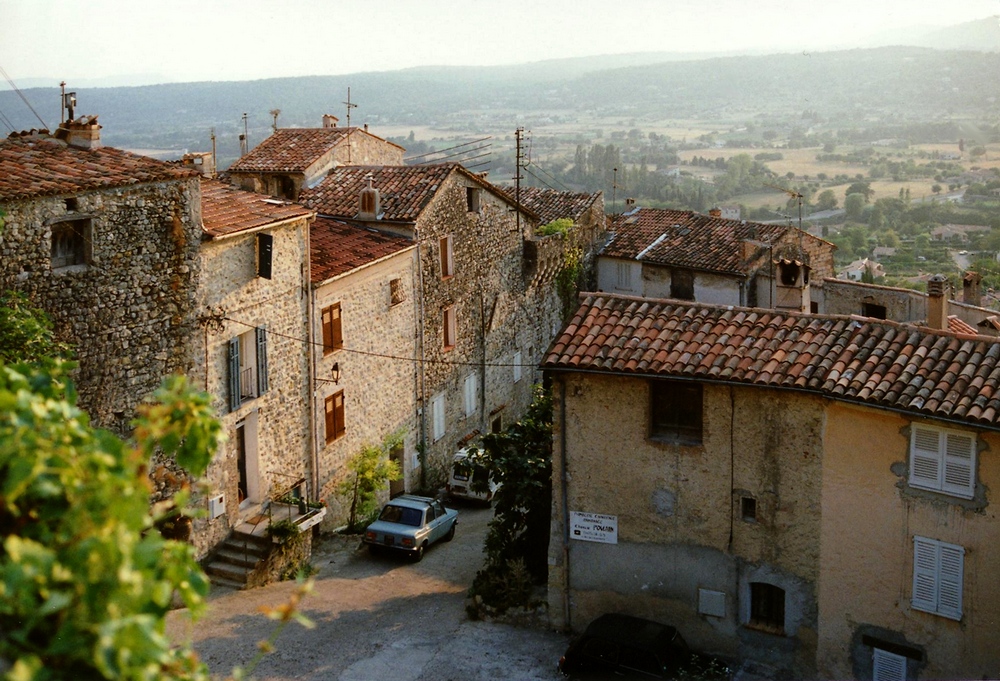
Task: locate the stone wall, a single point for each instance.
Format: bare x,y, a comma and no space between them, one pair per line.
128,313
233,300
378,374
679,514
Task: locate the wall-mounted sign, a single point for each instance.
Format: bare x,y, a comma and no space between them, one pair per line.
593,527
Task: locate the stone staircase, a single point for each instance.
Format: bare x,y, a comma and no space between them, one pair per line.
235,560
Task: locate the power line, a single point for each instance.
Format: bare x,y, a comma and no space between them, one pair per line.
6,121
461,153
550,176
23,98
441,151
539,179
366,353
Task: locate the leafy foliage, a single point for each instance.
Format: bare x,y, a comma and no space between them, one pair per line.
84,582
559,226
26,332
520,459
373,469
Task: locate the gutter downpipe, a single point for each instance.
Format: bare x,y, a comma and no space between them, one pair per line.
311,350
565,502
421,373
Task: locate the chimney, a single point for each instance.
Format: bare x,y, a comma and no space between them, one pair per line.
972,289
715,212
371,205
82,133
937,303
330,121
201,161
366,127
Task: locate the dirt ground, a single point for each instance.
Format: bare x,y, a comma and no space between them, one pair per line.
376,617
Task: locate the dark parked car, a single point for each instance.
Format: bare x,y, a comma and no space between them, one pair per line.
621,646
410,524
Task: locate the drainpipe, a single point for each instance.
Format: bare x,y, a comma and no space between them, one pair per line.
565,502
311,351
421,396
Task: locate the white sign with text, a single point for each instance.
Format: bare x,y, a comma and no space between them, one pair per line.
593,527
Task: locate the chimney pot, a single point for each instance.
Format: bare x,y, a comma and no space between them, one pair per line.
937,302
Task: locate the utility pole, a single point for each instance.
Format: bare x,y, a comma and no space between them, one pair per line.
274,114
244,138
518,158
614,191
349,107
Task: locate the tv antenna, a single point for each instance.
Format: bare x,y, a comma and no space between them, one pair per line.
349,107
792,193
274,114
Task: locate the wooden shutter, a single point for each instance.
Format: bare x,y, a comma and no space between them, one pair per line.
265,246
437,409
331,423
888,666
261,360
470,394
234,374
333,334
959,469
924,574
340,427
951,559
925,458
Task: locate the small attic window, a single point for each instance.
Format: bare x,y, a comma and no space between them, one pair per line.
472,199
72,204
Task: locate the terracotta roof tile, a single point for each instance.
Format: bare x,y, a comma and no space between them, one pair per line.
227,210
552,204
887,364
291,149
337,247
37,166
686,239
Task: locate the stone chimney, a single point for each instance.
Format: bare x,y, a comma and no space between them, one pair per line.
937,302
972,289
82,133
330,121
370,204
202,161
715,212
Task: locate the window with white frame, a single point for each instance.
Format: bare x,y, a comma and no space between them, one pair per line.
937,577
943,461
471,395
437,416
888,666
517,366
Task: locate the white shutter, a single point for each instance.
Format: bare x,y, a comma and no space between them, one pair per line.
517,366
437,413
888,666
950,581
925,574
959,465
925,459
470,394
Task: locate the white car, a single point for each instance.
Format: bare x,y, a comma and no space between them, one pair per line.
462,475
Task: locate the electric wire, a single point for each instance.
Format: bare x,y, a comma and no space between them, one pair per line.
441,151
6,121
23,98
525,168
366,353
461,153
550,176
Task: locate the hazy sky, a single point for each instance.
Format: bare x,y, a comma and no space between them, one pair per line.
186,40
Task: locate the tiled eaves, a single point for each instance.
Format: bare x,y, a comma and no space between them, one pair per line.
552,204
35,167
227,210
404,191
884,364
690,240
338,247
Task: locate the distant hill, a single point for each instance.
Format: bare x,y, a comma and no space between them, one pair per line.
852,87
982,35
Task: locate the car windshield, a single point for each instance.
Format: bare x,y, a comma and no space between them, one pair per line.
401,515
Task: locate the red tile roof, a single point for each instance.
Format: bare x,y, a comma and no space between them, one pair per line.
293,149
956,325
880,363
227,210
688,239
404,191
36,166
338,247
552,204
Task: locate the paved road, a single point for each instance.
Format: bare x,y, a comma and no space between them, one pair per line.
377,618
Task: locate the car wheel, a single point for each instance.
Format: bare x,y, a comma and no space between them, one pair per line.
451,533
418,555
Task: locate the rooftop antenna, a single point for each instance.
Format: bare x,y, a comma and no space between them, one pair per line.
215,159
349,107
614,192
244,138
68,103
518,159
798,197
274,115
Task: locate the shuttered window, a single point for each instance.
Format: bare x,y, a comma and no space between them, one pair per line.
943,461
333,334
471,395
334,407
888,666
437,414
450,327
247,359
937,577
446,245
517,366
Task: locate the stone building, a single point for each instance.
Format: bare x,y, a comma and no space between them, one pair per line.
662,253
251,353
365,307
487,311
292,159
805,493
106,242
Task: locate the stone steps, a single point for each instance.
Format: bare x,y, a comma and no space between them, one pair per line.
233,561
